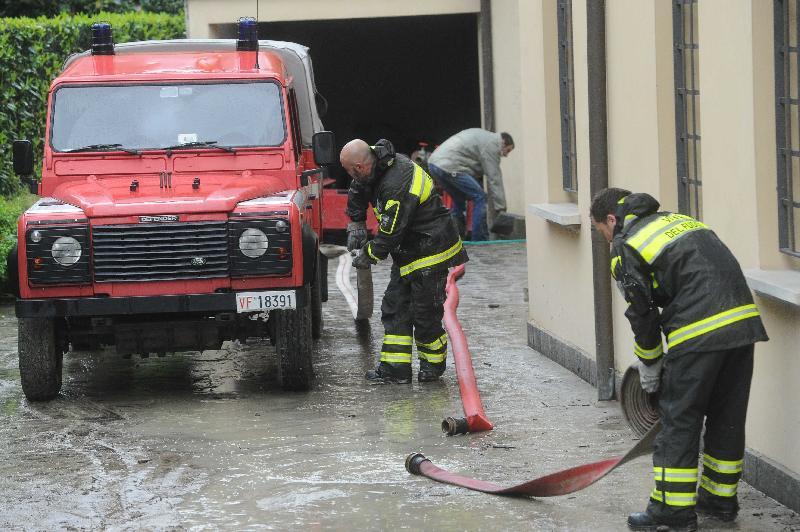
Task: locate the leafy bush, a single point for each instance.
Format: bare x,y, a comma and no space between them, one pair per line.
48,8
32,52
10,209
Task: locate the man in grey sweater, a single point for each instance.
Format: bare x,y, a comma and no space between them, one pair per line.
458,164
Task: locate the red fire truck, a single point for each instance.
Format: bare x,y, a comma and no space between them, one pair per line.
181,205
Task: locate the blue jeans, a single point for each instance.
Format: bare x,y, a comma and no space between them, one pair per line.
463,187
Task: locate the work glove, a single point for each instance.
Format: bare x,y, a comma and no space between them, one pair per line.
650,376
356,235
362,260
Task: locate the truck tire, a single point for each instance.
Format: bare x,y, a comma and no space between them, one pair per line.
293,344
317,321
41,355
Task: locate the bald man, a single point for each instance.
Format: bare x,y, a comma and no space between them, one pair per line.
418,232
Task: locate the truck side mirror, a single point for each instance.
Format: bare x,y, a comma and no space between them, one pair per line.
324,144
22,153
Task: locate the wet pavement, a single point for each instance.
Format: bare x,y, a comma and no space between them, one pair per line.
208,441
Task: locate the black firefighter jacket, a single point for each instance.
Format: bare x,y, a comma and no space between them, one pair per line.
413,225
676,263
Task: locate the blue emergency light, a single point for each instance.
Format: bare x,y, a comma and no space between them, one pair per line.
102,39
248,35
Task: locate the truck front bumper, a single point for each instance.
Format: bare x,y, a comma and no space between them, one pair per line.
116,306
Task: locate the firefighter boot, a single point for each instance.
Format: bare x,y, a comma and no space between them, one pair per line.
388,372
717,507
430,372
645,521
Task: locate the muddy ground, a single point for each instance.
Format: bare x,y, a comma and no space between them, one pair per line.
208,441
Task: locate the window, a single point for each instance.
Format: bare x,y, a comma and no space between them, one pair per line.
157,116
787,119
567,93
687,112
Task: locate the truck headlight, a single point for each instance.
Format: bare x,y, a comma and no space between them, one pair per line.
66,250
253,243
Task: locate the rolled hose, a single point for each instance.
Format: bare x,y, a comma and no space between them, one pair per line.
639,407
641,413
475,420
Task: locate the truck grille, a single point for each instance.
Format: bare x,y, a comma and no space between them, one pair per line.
160,251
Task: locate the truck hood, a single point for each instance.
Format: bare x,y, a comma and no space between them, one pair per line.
113,196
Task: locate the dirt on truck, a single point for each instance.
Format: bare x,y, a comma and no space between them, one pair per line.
182,205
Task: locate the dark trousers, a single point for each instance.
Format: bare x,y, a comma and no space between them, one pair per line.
713,385
412,309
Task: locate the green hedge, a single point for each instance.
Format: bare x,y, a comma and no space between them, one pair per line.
32,52
10,209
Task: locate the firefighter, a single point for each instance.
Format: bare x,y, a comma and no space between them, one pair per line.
416,229
672,262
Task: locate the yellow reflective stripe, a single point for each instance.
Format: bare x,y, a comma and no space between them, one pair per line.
621,200
395,339
418,181
436,344
672,474
675,498
648,354
432,260
726,467
421,184
653,277
389,204
614,261
712,323
433,358
653,238
717,488
396,357
426,190
369,252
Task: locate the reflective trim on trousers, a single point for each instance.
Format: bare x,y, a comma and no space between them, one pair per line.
726,467
673,474
717,488
674,498
397,339
396,358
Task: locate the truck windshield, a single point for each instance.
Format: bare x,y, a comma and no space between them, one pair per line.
159,116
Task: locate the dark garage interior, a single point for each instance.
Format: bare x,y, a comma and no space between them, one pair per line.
407,79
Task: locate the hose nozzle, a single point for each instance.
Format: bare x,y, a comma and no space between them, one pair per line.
413,461
452,426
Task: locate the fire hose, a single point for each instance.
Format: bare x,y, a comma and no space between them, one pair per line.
475,420
638,407
360,300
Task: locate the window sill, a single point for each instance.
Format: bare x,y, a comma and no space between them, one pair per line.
565,214
778,284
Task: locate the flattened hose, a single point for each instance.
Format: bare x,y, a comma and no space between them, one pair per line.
475,420
641,413
560,483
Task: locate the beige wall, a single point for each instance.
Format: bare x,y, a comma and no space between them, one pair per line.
739,170
201,14
737,126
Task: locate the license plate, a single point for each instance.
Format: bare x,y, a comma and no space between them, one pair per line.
259,301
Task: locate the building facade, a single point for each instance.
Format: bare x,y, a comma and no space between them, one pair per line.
693,101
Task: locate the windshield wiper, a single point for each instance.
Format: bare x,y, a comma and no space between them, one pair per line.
200,144
105,147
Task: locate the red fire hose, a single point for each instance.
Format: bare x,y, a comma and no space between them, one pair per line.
560,483
475,420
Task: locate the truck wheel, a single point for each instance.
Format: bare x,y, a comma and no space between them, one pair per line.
293,344
317,321
41,355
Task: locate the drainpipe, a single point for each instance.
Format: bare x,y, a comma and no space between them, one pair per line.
598,180
487,66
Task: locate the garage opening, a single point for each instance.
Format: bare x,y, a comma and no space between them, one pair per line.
407,79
